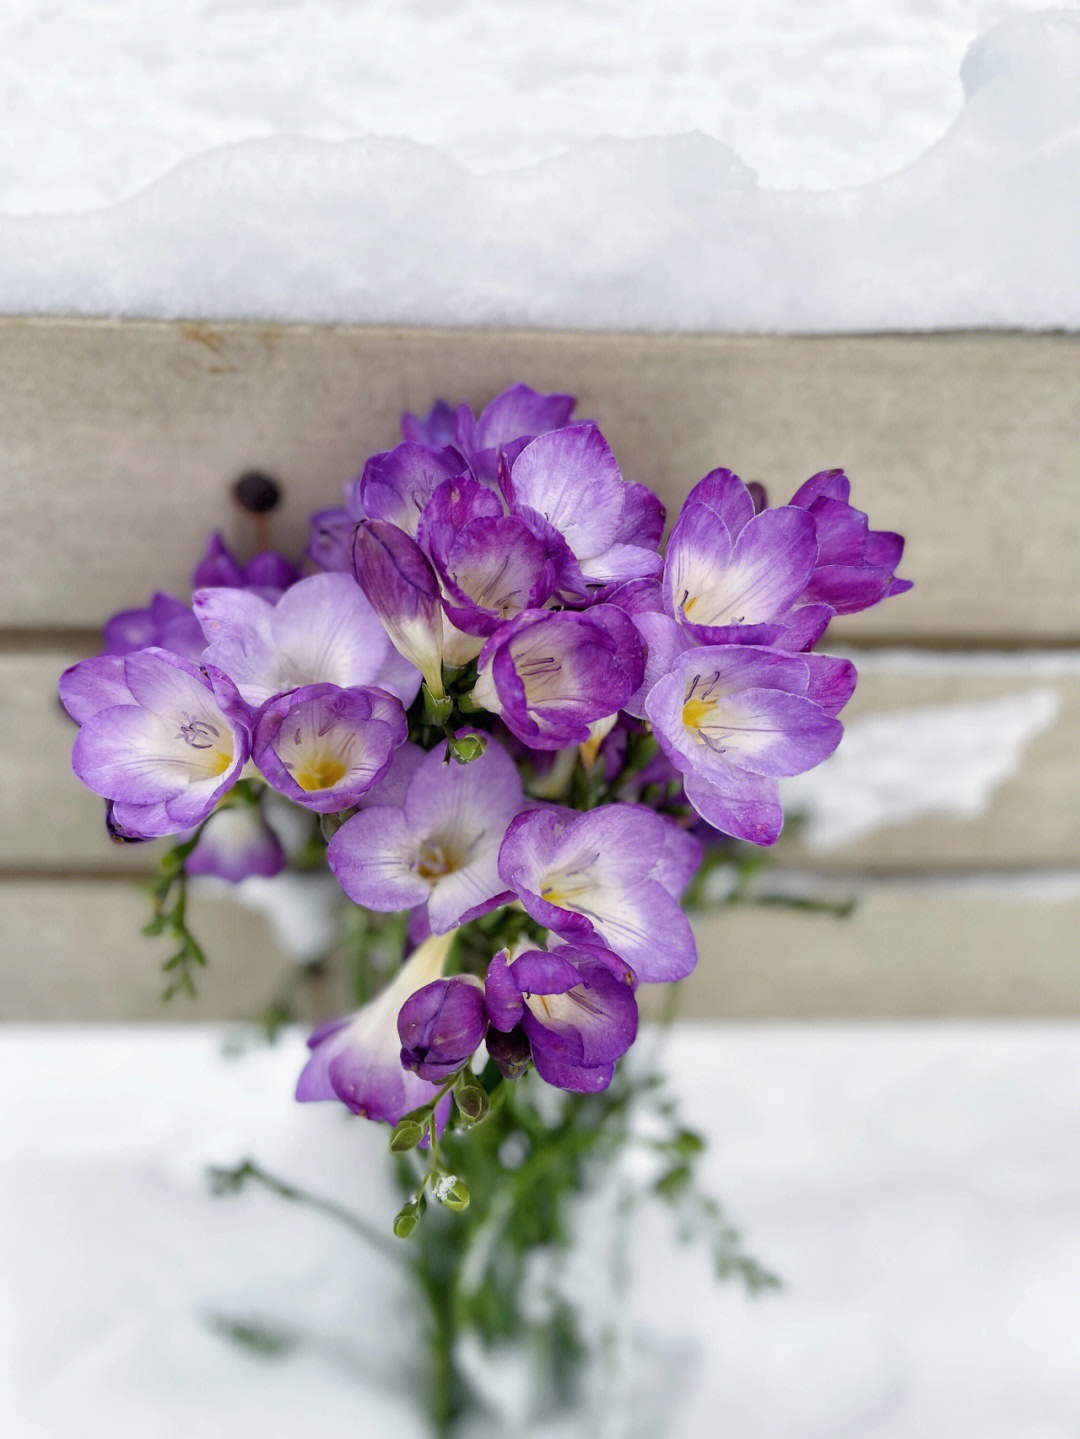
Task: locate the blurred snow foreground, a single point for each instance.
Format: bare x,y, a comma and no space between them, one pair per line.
546,221
916,1187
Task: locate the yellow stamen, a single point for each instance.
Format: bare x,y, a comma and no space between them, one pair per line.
688,604
696,712
320,774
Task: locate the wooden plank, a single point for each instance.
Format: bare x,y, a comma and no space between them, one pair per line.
118,441
1031,817
74,952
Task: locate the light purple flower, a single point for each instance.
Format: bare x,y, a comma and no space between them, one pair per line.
732,576
325,747
166,624
515,414
236,843
441,1026
551,675
733,718
611,875
267,574
357,1059
569,479
439,847
321,631
402,589
576,1006
160,737
855,565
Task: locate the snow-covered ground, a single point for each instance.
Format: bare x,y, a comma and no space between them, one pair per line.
918,1188
590,163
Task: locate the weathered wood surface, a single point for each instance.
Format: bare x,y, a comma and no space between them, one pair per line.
48,821
118,441
73,951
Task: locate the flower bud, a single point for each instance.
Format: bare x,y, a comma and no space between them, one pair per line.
510,1052
406,1219
441,1025
472,1102
467,747
407,1135
451,1192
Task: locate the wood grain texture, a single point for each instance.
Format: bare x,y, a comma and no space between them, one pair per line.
118,441
49,821
74,952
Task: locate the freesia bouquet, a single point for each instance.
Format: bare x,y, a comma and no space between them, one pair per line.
516,729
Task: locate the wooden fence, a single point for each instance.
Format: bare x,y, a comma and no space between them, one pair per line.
118,443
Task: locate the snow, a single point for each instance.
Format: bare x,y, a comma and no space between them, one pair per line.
917,1187
687,166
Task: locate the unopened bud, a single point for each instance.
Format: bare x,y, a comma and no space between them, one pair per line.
467,747
451,1192
406,1219
472,1102
407,1135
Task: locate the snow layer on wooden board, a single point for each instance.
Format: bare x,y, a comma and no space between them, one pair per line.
688,166
918,1188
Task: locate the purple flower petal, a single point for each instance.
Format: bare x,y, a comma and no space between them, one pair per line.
400,585
520,411
321,631
395,486
323,747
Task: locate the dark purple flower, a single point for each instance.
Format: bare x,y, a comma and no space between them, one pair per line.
357,1059
568,478
439,847
437,428
551,675
160,737
575,1005
166,624
611,876
396,486
267,574
324,747
441,1026
855,565
403,590
321,631
733,718
518,413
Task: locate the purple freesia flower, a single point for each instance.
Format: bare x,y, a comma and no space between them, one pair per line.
395,486
357,1059
321,631
437,428
576,1006
492,565
733,718
439,847
402,589
569,479
855,565
611,876
325,747
160,737
550,675
267,574
441,1026
166,624
733,576
236,843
